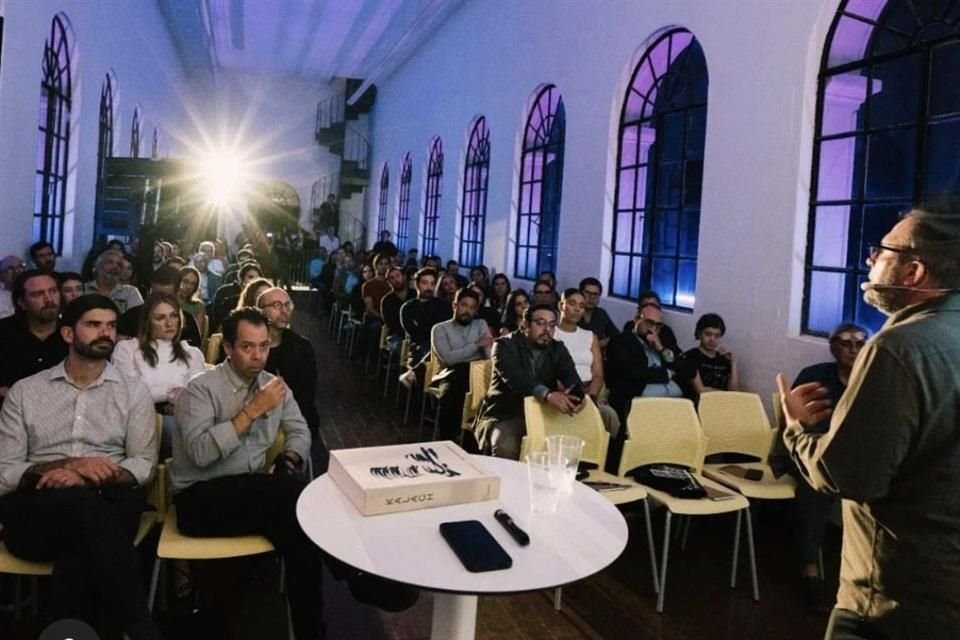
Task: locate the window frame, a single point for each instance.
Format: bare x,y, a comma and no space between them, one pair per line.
473,210
403,203
136,126
431,198
382,200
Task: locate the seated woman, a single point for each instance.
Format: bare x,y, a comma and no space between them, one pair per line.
251,291
517,303
712,366
499,292
584,348
189,296
159,358
446,288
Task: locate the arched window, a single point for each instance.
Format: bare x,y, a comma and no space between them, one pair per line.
54,139
887,130
541,178
660,170
384,191
431,200
104,140
476,170
135,127
403,203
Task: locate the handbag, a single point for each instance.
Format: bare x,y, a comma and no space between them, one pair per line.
669,478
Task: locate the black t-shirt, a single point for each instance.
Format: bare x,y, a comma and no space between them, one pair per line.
827,374
24,354
714,372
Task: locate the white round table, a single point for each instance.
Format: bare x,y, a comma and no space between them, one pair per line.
585,535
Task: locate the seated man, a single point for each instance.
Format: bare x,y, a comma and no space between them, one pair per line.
813,508
227,419
639,364
527,362
390,305
595,318
651,298
29,340
418,316
456,343
78,444
712,365
106,282
544,293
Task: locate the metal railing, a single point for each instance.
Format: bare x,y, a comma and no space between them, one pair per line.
322,187
356,148
331,111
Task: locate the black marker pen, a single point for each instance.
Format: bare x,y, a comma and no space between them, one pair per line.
515,532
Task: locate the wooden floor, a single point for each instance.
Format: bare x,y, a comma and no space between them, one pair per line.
239,599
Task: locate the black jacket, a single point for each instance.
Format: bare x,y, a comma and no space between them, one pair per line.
296,362
627,372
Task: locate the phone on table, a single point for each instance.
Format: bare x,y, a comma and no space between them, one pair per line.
475,546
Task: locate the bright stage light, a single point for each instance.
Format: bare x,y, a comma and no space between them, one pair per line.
224,177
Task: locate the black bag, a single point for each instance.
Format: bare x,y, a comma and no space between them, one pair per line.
669,478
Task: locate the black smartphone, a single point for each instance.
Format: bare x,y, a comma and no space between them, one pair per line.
476,548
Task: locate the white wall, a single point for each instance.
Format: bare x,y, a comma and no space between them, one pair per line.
128,37
762,58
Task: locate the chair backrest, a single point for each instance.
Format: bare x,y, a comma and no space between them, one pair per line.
384,334
663,430
543,421
778,424
430,370
481,371
404,350
213,348
735,422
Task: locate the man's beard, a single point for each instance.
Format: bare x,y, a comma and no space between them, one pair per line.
48,314
90,349
887,300
464,319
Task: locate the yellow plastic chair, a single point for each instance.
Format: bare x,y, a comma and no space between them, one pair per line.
12,565
667,430
735,422
543,421
213,348
481,372
430,392
174,545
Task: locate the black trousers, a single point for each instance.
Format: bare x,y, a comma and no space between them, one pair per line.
264,505
88,535
847,625
453,388
813,514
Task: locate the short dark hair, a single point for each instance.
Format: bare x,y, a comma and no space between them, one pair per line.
425,271
252,315
80,305
935,239
19,289
546,282
466,292
36,246
586,282
844,327
378,257
528,314
450,262
649,293
63,276
572,291
709,321
392,269
244,252
166,275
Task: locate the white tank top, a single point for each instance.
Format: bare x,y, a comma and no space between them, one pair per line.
579,345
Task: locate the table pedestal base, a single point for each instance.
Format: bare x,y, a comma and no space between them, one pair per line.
454,617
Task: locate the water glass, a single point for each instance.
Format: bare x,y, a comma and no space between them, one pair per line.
546,478
568,449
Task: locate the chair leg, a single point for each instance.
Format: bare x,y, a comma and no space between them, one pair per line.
386,375
558,599
423,411
663,562
736,550
650,547
154,580
753,557
436,420
686,533
406,411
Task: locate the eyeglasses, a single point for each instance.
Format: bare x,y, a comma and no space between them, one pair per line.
875,249
279,305
653,323
590,294
650,303
542,292
543,322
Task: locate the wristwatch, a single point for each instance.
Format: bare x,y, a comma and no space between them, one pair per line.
666,354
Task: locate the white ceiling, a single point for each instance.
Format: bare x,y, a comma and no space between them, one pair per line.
308,39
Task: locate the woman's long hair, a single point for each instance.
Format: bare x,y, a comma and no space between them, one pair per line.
493,299
247,297
195,296
510,319
145,337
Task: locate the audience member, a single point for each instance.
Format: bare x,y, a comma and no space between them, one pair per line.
383,246
544,293
478,276
528,362
453,268
584,348
43,256
163,280
209,281
813,509
189,296
227,295
517,303
327,215
10,268
432,262
712,365
550,277
128,273
418,316
159,359
455,344
227,419
106,282
77,447
390,305
639,364
355,297
447,287
499,291
71,286
413,259
215,265
651,298
376,288
29,340
291,355
595,318
485,312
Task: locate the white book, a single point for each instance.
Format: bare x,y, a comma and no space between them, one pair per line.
405,477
